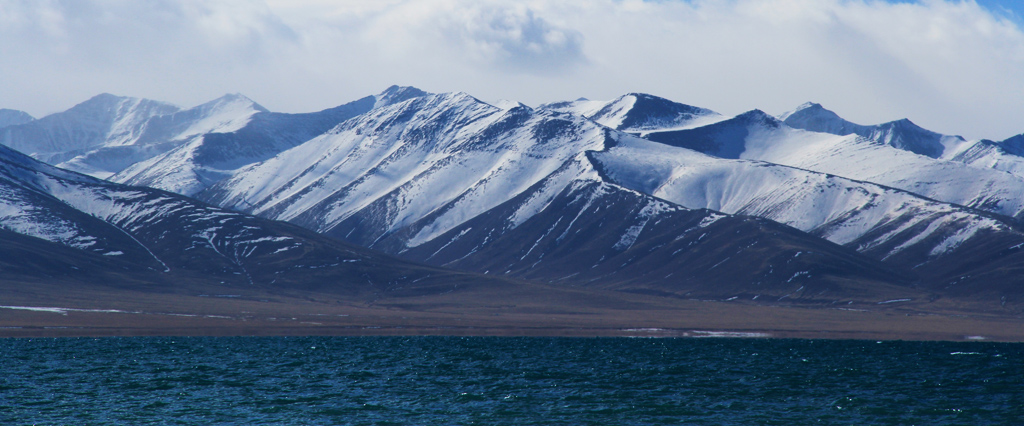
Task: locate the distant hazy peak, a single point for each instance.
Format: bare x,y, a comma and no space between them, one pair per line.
635,112
106,101
106,97
396,94
816,118
233,100
807,108
902,133
905,124
13,117
756,117
812,111
506,104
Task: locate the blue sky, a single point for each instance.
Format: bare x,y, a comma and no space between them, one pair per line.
1010,9
949,65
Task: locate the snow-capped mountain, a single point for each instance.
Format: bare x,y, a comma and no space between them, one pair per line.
144,142
901,134
210,156
809,195
104,120
164,132
597,234
11,117
1006,156
107,133
755,135
636,194
444,178
76,225
638,112
891,225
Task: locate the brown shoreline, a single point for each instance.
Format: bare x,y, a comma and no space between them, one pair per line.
31,333
671,318
523,310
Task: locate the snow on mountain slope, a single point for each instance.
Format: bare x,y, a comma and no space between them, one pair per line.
450,180
755,135
588,232
441,179
901,134
11,117
27,208
209,157
107,133
396,94
156,237
814,117
447,151
203,159
879,221
637,112
162,133
102,120
1007,156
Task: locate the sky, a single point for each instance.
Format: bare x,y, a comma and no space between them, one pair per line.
956,67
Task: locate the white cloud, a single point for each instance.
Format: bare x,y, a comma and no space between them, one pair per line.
489,34
948,65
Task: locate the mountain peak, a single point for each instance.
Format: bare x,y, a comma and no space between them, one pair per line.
13,117
105,96
506,104
905,125
634,112
813,117
396,94
760,116
234,100
902,134
904,122
102,100
1012,145
640,96
809,110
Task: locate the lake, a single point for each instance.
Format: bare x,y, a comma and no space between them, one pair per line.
501,380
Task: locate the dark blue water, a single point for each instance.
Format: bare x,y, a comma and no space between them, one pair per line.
514,381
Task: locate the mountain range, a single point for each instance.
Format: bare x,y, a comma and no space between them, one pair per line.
415,192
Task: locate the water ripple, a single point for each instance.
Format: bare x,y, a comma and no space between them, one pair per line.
522,381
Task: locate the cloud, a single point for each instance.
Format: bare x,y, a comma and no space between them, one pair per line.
952,66
949,65
75,49
511,38
502,35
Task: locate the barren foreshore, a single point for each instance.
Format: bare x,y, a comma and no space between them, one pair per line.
574,313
